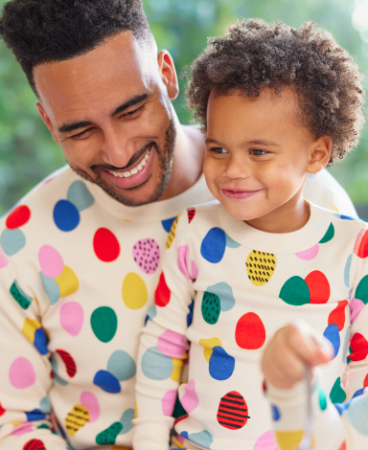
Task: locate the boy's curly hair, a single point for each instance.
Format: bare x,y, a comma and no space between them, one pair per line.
254,54
42,31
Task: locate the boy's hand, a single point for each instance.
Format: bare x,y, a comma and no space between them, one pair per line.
290,350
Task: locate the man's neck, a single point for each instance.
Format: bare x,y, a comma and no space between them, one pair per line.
188,161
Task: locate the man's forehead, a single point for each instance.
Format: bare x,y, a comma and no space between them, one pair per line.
116,68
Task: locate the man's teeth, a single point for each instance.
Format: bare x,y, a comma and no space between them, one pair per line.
134,171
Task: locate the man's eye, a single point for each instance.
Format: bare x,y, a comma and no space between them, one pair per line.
79,135
133,113
259,152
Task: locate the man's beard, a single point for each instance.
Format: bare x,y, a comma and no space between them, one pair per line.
165,160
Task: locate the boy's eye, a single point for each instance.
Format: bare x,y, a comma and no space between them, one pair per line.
219,150
259,152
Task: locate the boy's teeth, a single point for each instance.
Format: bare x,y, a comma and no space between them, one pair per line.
133,171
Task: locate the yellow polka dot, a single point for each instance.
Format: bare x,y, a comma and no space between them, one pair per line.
171,236
260,267
334,208
76,419
68,282
208,345
136,410
289,440
29,328
134,291
176,373
178,444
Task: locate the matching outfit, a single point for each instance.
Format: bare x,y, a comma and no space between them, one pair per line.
78,273
224,290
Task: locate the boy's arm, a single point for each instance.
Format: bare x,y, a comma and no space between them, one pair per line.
163,345
25,369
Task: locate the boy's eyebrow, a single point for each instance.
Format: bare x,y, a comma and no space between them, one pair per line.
254,142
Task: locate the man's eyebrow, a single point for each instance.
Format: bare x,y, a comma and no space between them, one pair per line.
67,128
133,101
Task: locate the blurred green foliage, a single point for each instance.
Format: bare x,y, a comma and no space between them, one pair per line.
27,152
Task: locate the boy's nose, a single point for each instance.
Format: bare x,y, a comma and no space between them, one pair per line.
237,168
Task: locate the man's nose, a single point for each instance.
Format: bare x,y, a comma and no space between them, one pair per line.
118,148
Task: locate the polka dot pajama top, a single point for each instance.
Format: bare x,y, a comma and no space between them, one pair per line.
224,290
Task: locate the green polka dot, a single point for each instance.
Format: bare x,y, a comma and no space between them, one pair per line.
104,323
362,290
329,235
322,399
295,292
108,436
337,394
211,307
19,296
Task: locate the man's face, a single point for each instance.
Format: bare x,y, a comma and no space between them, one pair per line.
111,113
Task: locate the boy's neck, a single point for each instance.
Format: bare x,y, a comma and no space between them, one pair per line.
292,216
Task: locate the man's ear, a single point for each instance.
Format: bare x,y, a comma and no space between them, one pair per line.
47,120
168,73
319,154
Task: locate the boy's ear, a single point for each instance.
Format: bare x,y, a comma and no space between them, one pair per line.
319,154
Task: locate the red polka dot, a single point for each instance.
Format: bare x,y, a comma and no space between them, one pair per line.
71,367
337,316
19,217
106,245
250,332
363,246
319,287
2,410
359,347
365,382
343,446
34,444
162,294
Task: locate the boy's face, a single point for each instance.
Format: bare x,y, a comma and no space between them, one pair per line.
258,156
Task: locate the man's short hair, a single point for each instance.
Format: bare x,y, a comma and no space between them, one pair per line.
254,54
43,31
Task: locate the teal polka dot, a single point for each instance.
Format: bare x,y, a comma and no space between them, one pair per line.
12,241
79,195
155,365
121,365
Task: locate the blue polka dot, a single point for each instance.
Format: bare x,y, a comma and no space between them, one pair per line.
358,393
332,334
167,224
275,413
66,216
155,365
231,243
225,294
51,288
107,382
221,365
151,313
204,439
34,415
40,341
343,217
126,420
56,375
121,365
184,434
213,245
79,195
341,407
12,241
190,314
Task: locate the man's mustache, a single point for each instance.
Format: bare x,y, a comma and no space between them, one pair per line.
136,157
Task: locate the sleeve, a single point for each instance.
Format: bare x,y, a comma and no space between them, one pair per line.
323,190
163,345
334,426
344,424
25,369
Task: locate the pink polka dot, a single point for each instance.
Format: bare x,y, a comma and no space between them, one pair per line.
309,254
89,401
168,403
356,306
184,263
22,374
72,317
190,399
194,270
3,259
266,442
22,429
51,262
172,344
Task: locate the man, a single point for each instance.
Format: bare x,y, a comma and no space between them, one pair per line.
80,255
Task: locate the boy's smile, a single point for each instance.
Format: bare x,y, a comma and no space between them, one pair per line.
259,156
